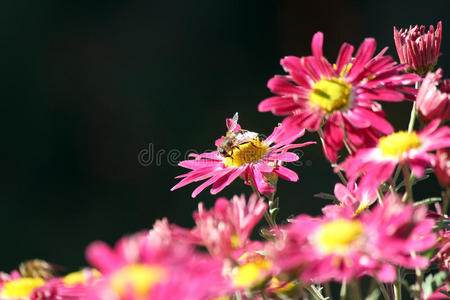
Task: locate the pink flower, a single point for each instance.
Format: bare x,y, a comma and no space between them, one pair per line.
443,255
340,95
225,229
377,164
353,200
442,167
434,103
259,161
138,269
418,49
343,248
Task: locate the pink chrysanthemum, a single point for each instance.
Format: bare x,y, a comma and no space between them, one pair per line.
258,161
417,48
226,228
353,200
442,167
344,248
137,269
377,164
340,95
434,103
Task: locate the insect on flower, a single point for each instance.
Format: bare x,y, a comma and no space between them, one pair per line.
233,139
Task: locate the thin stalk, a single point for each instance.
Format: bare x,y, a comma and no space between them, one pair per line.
266,214
317,295
383,290
339,172
446,198
356,291
398,286
343,292
407,177
327,290
380,196
412,118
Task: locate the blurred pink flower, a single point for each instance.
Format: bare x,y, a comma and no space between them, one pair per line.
417,48
257,160
344,248
353,200
442,167
340,95
434,103
225,229
377,164
138,269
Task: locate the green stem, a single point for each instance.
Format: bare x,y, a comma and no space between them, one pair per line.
339,172
383,290
312,289
398,286
408,186
356,291
343,292
266,214
445,198
412,118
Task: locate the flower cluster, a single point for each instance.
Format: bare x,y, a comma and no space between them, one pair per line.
374,229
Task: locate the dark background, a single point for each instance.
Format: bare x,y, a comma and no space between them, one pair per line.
86,85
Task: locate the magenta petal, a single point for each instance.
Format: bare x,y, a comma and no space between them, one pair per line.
101,256
286,173
387,273
224,181
316,45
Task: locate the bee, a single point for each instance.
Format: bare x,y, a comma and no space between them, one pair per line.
37,268
233,139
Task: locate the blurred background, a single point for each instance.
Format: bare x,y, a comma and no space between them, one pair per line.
88,85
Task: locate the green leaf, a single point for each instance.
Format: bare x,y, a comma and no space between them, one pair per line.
375,295
428,201
432,282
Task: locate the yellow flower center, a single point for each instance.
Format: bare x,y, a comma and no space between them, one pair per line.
138,278
331,94
252,273
235,241
398,143
20,288
338,235
79,277
246,153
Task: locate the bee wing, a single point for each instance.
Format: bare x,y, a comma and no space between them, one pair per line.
245,137
233,123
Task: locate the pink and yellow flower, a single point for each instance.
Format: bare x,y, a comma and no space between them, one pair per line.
225,229
432,102
417,48
258,161
344,248
340,95
377,164
353,200
138,269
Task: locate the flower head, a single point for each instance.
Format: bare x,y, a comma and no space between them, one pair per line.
377,164
340,247
417,48
434,102
132,271
225,229
245,154
339,95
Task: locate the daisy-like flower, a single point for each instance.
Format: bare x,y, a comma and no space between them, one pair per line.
417,48
353,200
377,164
442,167
226,228
344,248
132,271
433,102
243,153
339,95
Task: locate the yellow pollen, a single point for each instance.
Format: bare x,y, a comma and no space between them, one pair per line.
252,273
398,143
338,235
79,277
331,94
235,242
138,278
247,153
20,288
